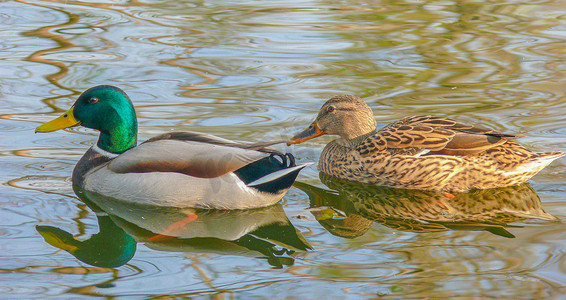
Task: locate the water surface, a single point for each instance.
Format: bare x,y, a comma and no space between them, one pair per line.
259,70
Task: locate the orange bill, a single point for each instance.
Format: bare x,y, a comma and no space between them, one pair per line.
307,134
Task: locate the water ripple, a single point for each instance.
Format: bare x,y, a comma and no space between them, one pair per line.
259,70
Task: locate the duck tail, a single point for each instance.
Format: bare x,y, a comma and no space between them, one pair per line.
545,158
277,181
538,162
272,174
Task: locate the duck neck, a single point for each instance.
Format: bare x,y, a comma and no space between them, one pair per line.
352,143
119,138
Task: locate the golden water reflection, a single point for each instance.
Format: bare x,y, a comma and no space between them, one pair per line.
353,208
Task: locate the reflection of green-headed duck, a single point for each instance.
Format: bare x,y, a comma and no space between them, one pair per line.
110,248
180,169
264,232
420,152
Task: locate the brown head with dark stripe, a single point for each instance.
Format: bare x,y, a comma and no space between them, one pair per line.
345,115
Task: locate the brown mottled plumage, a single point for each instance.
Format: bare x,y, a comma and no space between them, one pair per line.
419,152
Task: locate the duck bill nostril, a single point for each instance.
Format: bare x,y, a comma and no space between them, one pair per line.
66,120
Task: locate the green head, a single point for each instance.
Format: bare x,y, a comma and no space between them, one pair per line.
104,108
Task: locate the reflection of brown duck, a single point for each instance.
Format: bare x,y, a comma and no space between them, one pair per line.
423,211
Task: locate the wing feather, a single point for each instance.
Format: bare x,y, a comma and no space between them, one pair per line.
188,157
215,140
438,135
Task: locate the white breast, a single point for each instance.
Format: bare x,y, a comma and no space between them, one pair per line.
178,190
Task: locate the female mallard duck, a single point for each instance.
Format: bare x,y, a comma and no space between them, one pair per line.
419,152
180,169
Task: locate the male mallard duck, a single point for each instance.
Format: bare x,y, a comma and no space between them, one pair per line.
180,169
419,152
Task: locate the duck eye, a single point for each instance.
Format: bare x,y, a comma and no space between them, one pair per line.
330,108
93,100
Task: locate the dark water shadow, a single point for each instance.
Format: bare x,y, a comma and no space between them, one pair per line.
350,209
265,232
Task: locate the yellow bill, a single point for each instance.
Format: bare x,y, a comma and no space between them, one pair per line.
51,237
66,120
